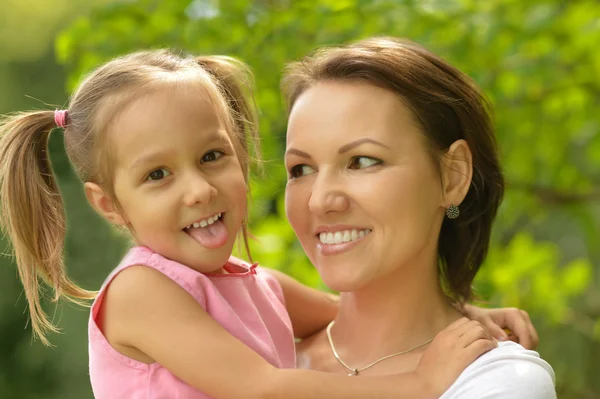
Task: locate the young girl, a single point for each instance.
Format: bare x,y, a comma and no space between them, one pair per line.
161,143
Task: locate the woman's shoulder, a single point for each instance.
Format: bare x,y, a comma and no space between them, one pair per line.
509,371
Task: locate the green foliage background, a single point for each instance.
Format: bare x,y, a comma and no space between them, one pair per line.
537,61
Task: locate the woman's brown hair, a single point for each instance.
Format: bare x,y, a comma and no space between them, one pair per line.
32,212
448,106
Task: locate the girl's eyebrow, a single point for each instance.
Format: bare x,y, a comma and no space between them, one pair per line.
149,156
145,158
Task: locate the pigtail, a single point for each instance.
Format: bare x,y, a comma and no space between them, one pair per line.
32,213
236,83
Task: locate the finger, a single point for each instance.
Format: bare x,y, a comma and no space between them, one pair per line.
476,349
517,324
535,339
474,333
471,325
457,324
495,330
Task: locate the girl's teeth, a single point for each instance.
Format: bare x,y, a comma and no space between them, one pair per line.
206,222
342,236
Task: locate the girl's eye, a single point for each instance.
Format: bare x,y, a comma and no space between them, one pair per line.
300,170
362,162
158,174
211,156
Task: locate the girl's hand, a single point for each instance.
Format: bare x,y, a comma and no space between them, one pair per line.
451,351
516,321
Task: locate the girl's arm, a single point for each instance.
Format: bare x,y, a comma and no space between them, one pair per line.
147,311
310,310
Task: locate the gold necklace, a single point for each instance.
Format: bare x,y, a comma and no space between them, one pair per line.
355,371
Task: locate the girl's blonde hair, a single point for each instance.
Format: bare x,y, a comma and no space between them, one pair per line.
32,212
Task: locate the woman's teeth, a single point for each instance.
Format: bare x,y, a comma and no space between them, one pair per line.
205,222
343,236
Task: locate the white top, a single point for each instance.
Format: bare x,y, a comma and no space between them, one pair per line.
507,372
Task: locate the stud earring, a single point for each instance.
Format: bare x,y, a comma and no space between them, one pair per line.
452,212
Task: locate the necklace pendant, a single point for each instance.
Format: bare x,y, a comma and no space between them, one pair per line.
353,373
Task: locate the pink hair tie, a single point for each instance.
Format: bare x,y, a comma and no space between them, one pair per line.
60,118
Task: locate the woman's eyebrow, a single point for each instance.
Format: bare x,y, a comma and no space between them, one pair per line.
356,143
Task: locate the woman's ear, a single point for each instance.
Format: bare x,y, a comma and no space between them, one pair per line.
103,204
457,172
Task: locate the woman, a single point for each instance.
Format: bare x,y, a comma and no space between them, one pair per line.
394,182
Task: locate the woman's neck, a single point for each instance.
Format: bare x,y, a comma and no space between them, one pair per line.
393,314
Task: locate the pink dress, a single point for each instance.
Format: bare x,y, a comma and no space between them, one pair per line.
247,302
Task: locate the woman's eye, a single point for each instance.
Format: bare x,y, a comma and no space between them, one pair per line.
300,170
158,174
362,162
211,156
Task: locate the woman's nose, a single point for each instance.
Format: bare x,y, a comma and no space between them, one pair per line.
327,194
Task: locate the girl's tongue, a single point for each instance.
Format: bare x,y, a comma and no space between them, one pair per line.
212,236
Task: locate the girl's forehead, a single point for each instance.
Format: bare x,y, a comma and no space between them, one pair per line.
162,116
160,104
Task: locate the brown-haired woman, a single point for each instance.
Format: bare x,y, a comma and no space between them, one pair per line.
394,183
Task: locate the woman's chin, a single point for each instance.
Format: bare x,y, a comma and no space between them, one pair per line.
341,281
